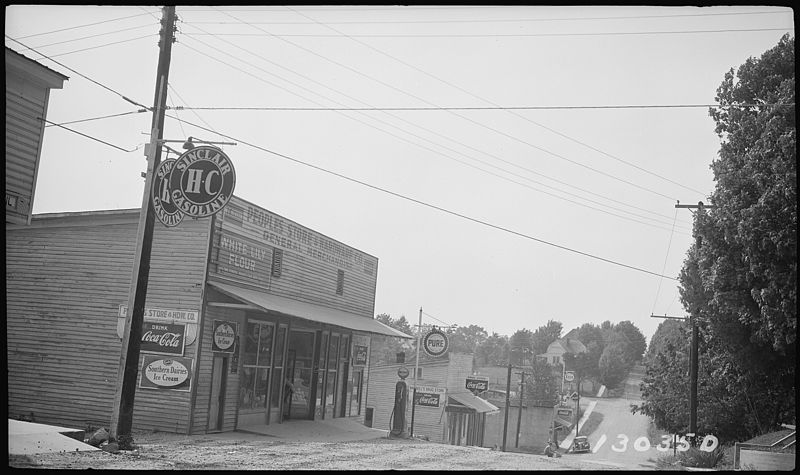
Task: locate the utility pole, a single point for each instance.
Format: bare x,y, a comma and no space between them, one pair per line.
693,352
508,392
521,398
416,371
122,411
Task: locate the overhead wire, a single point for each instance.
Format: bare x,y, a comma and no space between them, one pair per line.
385,84
88,136
429,205
488,108
472,166
499,20
404,93
664,268
77,121
506,35
82,26
81,75
152,35
93,36
494,104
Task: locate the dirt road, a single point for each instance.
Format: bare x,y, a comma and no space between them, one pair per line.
238,451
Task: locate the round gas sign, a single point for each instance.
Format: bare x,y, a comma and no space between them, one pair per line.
164,208
202,181
435,342
402,372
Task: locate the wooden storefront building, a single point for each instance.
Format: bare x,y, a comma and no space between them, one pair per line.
238,306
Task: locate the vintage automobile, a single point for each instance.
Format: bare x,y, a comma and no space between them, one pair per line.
580,444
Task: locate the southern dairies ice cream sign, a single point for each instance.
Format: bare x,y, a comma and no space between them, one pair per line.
165,372
198,184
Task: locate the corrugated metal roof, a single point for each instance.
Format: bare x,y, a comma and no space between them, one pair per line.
470,400
307,311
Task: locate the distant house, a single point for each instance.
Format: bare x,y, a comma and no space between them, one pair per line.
555,352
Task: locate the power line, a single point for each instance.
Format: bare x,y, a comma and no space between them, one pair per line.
482,170
494,104
503,35
81,75
463,117
94,36
98,118
517,20
669,245
476,108
438,208
88,136
100,46
82,26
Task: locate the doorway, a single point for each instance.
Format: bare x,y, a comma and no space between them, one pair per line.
216,405
300,372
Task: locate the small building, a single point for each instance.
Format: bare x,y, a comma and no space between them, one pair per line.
28,86
446,411
555,351
238,304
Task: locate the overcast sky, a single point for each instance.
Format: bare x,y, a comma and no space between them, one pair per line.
543,187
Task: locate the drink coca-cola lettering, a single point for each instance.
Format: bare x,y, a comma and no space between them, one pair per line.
163,338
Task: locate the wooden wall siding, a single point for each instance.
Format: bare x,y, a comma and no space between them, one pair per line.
310,260
24,103
64,285
380,396
202,401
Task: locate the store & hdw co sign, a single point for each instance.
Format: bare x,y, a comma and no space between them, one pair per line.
198,184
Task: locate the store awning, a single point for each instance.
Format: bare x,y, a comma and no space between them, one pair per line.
470,400
307,311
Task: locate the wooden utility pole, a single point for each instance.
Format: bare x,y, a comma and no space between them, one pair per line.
508,392
122,411
693,352
521,398
416,371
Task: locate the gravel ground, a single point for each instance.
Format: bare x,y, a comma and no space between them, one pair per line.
238,451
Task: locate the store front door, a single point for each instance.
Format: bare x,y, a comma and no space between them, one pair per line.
299,369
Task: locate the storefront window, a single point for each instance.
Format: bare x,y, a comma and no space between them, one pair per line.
257,357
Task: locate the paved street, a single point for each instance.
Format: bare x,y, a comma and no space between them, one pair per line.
615,439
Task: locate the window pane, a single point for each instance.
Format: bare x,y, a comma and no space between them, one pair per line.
253,392
250,354
330,394
265,345
334,347
279,341
323,351
277,385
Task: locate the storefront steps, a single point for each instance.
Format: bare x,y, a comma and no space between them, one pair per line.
331,430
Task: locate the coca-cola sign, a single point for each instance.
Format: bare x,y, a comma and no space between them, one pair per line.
163,338
477,384
428,399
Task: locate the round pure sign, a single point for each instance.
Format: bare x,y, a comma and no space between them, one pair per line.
435,343
224,336
165,209
202,181
166,373
402,372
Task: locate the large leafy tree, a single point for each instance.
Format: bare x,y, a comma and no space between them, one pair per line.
635,342
386,348
613,364
466,339
592,338
740,278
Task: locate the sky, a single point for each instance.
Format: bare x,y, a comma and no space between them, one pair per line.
517,164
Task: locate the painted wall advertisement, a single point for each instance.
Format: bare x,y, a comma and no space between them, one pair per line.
428,396
163,338
159,372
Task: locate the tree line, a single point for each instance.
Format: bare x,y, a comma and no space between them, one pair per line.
739,279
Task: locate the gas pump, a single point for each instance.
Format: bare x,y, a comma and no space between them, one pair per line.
398,417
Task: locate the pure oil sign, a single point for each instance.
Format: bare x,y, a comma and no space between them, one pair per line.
199,184
159,372
163,338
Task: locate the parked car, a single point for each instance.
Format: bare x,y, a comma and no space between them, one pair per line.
580,444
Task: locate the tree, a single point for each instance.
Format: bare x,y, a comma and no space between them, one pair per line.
466,339
543,385
592,338
520,345
545,335
386,348
635,341
740,279
493,351
613,364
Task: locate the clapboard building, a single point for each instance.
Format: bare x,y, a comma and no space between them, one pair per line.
250,318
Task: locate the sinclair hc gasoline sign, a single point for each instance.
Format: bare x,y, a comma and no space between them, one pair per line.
198,184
